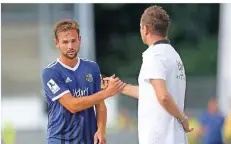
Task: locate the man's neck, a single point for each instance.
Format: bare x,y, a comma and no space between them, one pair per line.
69,62
152,39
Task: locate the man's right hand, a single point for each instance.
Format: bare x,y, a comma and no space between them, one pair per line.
114,85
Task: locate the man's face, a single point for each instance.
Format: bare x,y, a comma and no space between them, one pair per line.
212,105
69,43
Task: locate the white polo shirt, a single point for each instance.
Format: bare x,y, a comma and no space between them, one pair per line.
155,124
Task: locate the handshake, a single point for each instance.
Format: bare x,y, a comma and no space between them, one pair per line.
112,85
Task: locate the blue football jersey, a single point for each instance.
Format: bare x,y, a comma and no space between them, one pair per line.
82,80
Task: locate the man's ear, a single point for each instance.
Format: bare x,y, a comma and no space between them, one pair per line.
147,29
56,42
80,38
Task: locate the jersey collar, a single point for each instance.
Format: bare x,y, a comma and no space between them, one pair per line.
165,41
68,67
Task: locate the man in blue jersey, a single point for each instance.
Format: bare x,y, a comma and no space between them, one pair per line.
212,123
73,89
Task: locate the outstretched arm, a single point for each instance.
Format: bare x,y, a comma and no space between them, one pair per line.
78,104
57,89
131,90
81,103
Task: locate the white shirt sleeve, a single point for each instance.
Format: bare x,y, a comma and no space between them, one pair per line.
154,67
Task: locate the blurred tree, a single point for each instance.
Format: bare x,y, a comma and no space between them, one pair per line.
193,32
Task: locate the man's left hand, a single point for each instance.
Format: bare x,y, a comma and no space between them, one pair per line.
100,137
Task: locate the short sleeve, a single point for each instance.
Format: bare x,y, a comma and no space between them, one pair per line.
98,78
53,84
153,67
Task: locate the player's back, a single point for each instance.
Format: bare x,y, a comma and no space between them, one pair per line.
156,125
176,85
59,79
176,79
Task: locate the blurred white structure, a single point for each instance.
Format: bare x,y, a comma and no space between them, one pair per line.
84,14
224,59
24,113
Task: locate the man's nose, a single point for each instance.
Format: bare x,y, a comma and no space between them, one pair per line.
70,45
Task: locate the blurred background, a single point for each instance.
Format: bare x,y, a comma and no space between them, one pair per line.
110,36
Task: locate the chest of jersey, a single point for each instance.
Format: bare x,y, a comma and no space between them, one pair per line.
80,82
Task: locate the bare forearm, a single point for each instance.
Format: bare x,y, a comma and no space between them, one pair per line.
168,103
101,114
131,90
81,103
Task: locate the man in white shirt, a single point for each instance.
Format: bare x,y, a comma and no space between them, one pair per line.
162,83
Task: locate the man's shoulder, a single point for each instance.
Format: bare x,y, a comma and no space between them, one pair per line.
89,63
163,50
220,115
156,51
154,56
52,65
51,68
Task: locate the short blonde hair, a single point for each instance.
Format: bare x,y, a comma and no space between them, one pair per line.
157,19
65,25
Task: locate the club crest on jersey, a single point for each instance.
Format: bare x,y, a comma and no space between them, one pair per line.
89,77
181,73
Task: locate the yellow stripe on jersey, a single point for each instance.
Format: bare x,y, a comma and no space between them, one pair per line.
102,84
